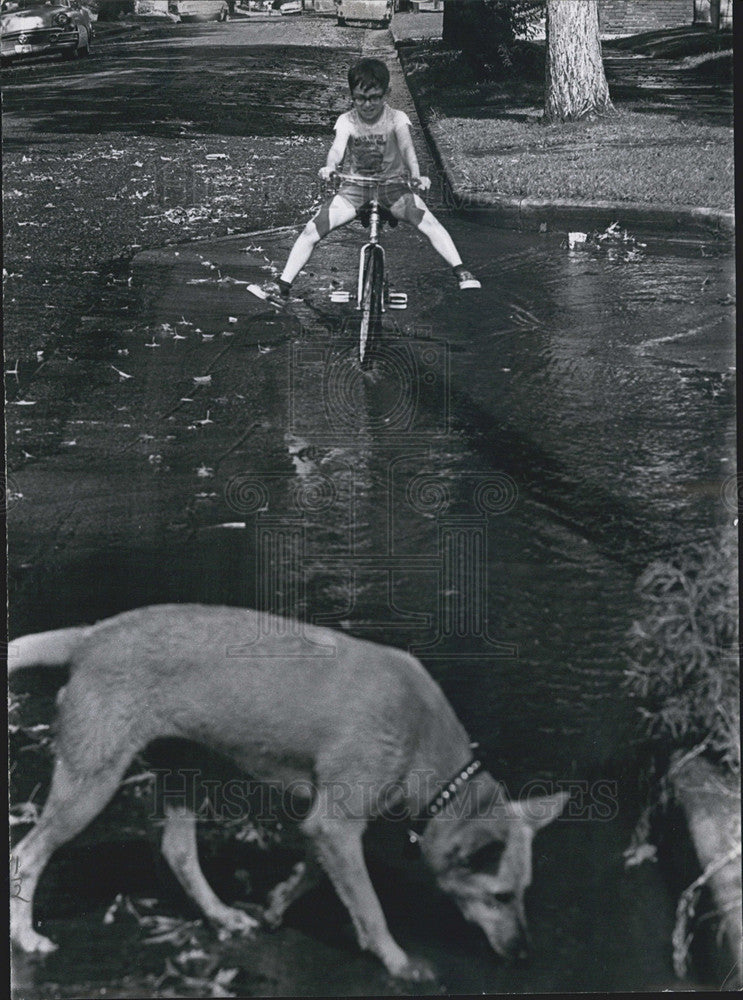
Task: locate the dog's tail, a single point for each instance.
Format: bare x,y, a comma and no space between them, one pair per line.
44,649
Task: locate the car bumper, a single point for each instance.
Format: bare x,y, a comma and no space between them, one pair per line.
37,40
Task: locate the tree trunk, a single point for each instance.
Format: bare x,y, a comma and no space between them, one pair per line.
702,12
575,82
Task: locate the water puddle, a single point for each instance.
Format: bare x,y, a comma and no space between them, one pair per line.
485,498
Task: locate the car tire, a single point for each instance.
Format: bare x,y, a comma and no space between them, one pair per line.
82,48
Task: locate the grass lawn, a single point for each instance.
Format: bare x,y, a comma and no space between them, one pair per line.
629,156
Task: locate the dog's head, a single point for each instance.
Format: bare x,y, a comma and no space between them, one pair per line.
484,864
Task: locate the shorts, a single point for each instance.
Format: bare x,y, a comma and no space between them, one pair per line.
393,195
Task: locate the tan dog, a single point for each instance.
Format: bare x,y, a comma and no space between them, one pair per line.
363,727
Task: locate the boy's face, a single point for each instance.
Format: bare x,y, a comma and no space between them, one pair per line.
369,102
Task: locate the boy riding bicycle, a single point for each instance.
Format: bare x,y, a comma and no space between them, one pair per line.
375,141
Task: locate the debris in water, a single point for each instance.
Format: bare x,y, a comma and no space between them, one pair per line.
638,854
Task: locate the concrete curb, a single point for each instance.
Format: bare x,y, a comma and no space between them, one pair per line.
536,213
527,213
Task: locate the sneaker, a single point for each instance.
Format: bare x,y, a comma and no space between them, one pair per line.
465,279
269,291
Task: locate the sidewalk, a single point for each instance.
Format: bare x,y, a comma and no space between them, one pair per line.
670,167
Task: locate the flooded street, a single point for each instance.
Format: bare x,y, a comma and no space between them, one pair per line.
485,497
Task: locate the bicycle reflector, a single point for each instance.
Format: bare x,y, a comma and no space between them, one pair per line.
398,300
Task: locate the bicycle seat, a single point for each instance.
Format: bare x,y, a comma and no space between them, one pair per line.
364,216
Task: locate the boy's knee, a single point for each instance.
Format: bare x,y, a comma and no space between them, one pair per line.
322,223
428,222
311,232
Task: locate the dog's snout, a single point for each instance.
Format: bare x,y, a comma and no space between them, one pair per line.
518,948
518,952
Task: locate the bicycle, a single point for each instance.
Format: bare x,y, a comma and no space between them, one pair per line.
372,291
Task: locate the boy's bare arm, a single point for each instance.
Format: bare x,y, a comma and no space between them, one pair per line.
409,156
335,156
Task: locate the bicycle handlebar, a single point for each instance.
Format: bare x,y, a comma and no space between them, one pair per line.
361,179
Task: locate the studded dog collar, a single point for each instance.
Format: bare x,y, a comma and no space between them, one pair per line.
447,794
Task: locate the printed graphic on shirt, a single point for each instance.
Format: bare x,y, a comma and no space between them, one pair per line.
367,152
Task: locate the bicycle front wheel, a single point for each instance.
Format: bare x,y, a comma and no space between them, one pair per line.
371,304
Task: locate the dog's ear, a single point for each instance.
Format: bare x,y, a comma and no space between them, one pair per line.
539,811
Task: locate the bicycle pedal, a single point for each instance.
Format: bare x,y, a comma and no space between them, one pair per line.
340,295
398,300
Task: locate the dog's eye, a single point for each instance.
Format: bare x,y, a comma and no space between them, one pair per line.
504,897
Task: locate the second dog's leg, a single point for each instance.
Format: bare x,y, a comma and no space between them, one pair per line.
305,876
74,800
339,848
181,852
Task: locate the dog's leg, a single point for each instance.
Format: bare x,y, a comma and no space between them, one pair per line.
181,852
73,801
305,876
339,849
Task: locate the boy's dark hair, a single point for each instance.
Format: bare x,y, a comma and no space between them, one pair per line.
367,73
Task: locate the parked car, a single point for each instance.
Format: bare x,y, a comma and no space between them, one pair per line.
259,10
370,13
167,9
203,10
285,7
40,27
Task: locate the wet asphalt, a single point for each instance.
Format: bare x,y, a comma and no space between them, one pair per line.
172,437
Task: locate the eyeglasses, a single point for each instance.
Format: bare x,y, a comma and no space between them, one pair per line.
368,98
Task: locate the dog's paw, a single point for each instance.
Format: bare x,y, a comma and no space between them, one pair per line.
416,970
233,921
33,943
